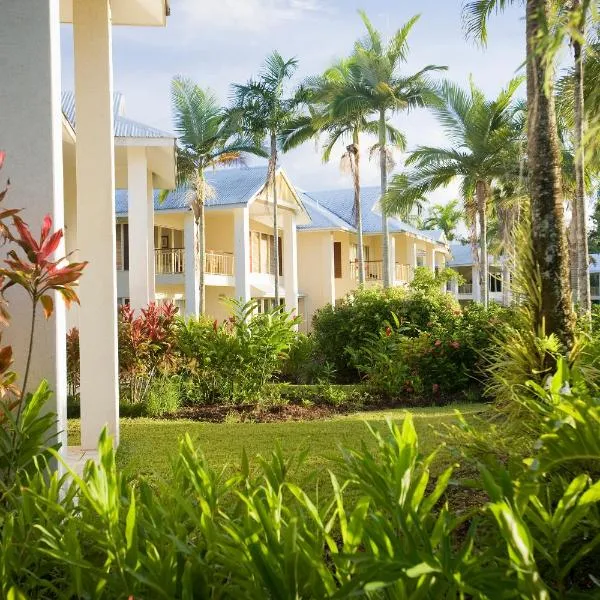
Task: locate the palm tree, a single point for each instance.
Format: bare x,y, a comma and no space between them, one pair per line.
445,217
262,110
483,134
324,95
380,89
547,218
206,140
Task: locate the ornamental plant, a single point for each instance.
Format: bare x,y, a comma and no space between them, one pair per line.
31,266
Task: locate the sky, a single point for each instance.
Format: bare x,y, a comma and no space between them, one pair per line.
220,42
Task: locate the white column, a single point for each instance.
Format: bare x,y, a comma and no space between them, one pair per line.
432,259
327,252
290,263
151,260
476,284
241,253
139,224
96,219
392,252
192,280
30,133
414,257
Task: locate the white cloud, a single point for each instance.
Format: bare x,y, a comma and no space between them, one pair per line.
249,15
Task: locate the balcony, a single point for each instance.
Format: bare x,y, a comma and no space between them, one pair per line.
466,289
374,271
171,261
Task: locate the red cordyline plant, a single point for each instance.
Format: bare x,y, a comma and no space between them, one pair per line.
31,267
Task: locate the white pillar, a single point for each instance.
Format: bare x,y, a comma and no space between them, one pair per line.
392,252
96,219
290,263
476,284
192,280
432,259
327,252
30,133
241,253
139,219
414,258
151,253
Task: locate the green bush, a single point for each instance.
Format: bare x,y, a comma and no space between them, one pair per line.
342,330
164,396
232,361
350,396
304,364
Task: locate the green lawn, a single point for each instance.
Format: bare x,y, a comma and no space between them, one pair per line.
147,446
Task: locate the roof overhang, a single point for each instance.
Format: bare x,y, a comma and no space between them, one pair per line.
148,13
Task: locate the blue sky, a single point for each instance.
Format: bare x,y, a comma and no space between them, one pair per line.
218,42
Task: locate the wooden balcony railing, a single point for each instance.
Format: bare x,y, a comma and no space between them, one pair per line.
169,261
465,288
374,271
218,263
172,261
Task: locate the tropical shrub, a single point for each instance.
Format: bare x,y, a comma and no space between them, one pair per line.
304,364
342,330
164,396
146,348
232,361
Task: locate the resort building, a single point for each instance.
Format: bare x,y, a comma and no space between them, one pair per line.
239,258
328,249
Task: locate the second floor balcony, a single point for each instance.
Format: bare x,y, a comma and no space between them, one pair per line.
374,271
171,261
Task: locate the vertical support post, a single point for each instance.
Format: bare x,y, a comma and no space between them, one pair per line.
432,259
192,279
151,262
30,133
392,247
139,225
330,268
415,262
290,263
241,253
96,219
476,284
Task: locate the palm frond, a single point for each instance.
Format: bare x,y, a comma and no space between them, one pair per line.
476,14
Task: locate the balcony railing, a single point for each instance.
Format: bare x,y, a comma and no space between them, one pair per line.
169,261
218,263
595,290
374,271
465,288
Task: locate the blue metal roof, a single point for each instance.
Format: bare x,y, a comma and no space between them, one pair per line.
462,256
320,217
233,187
339,203
124,127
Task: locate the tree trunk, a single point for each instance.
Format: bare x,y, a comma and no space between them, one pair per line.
475,281
202,259
484,272
573,255
355,157
583,278
273,171
547,218
384,219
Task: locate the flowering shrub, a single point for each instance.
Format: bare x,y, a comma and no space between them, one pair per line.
342,330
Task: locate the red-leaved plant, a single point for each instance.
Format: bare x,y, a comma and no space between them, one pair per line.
30,266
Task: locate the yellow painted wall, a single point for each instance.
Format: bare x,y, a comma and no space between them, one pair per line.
219,231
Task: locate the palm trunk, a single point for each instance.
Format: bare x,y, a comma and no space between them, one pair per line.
201,224
583,278
273,170
484,275
475,254
547,218
573,255
358,207
384,219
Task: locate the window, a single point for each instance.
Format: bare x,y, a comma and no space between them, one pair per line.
122,236
337,260
262,253
495,283
266,304
354,253
420,258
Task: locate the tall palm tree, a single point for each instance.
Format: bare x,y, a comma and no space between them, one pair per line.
547,218
324,96
484,135
445,217
382,90
206,139
263,110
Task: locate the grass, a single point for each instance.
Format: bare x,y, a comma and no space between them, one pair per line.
148,446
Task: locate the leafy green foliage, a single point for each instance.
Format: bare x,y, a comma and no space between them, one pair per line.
232,361
164,396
